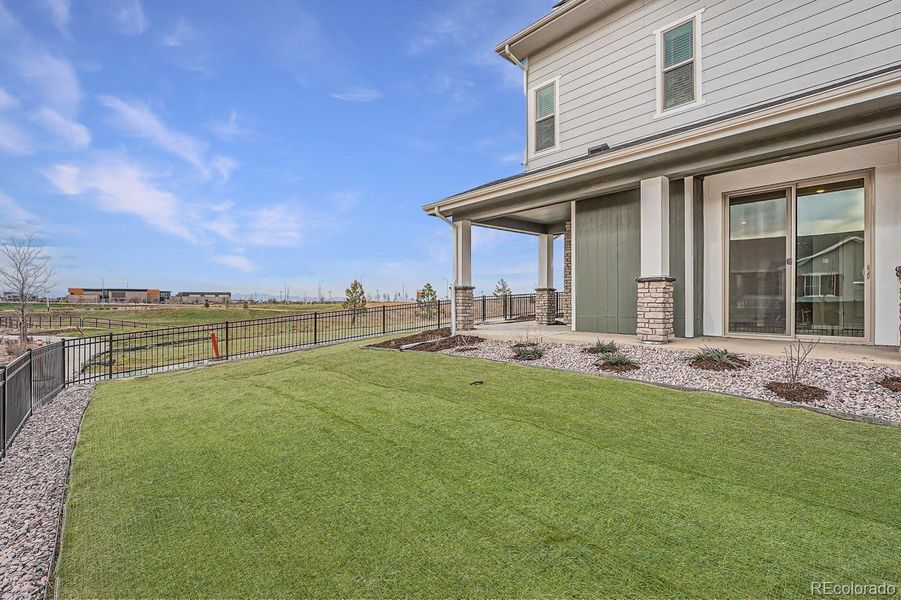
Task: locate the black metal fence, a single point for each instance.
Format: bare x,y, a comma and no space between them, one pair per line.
39,374
58,321
26,383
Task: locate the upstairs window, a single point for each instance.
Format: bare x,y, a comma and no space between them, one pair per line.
545,111
678,59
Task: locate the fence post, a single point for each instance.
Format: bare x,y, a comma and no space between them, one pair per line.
226,340
439,314
315,327
62,351
3,414
30,381
110,370
384,324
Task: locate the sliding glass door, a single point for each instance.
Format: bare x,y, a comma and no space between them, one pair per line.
797,260
830,272
758,253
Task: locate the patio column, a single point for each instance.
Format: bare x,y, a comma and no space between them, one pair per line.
655,286
545,294
463,317
568,274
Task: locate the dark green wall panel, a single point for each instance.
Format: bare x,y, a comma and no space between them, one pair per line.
607,252
677,252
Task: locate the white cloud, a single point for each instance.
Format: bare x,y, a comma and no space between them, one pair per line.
69,131
7,101
59,13
15,218
513,157
224,165
54,77
128,16
13,140
180,35
138,120
123,188
272,226
236,261
358,94
231,128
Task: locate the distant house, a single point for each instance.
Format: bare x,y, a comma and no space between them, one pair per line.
725,168
117,295
203,297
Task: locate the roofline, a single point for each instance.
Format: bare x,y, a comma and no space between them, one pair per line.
536,26
848,92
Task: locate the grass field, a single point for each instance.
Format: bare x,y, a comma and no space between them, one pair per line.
343,472
168,315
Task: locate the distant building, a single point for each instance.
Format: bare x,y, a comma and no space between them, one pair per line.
202,297
14,297
119,295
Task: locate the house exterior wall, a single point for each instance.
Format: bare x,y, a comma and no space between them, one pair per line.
752,53
882,159
606,261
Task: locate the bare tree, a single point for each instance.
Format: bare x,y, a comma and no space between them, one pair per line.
26,271
795,358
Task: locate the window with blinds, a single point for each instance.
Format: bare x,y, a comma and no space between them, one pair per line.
546,117
678,77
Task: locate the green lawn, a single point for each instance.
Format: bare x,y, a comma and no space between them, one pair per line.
343,472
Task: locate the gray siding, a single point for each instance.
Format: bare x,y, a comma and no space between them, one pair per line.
698,214
607,247
753,52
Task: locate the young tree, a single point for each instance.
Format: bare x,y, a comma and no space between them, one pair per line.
26,271
502,289
355,299
429,304
428,293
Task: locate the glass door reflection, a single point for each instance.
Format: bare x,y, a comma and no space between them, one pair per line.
758,253
830,272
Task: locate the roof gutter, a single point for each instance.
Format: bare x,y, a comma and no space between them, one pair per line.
548,18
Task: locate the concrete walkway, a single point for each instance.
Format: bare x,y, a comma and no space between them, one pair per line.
875,355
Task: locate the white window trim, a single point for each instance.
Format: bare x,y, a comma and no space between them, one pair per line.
532,137
696,57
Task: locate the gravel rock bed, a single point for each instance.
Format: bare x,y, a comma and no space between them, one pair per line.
853,387
32,487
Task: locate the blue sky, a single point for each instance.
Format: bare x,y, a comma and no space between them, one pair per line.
245,145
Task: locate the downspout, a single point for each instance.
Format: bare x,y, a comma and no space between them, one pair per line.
524,65
453,299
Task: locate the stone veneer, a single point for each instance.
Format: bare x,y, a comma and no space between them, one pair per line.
545,306
655,309
567,300
464,317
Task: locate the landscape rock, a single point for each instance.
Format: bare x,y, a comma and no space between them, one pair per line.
32,488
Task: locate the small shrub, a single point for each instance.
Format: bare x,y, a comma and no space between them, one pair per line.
245,306
617,361
527,341
528,352
717,359
603,347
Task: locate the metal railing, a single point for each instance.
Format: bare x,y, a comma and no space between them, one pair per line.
26,383
53,321
38,375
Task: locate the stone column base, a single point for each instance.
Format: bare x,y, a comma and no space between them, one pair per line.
655,310
464,317
545,306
